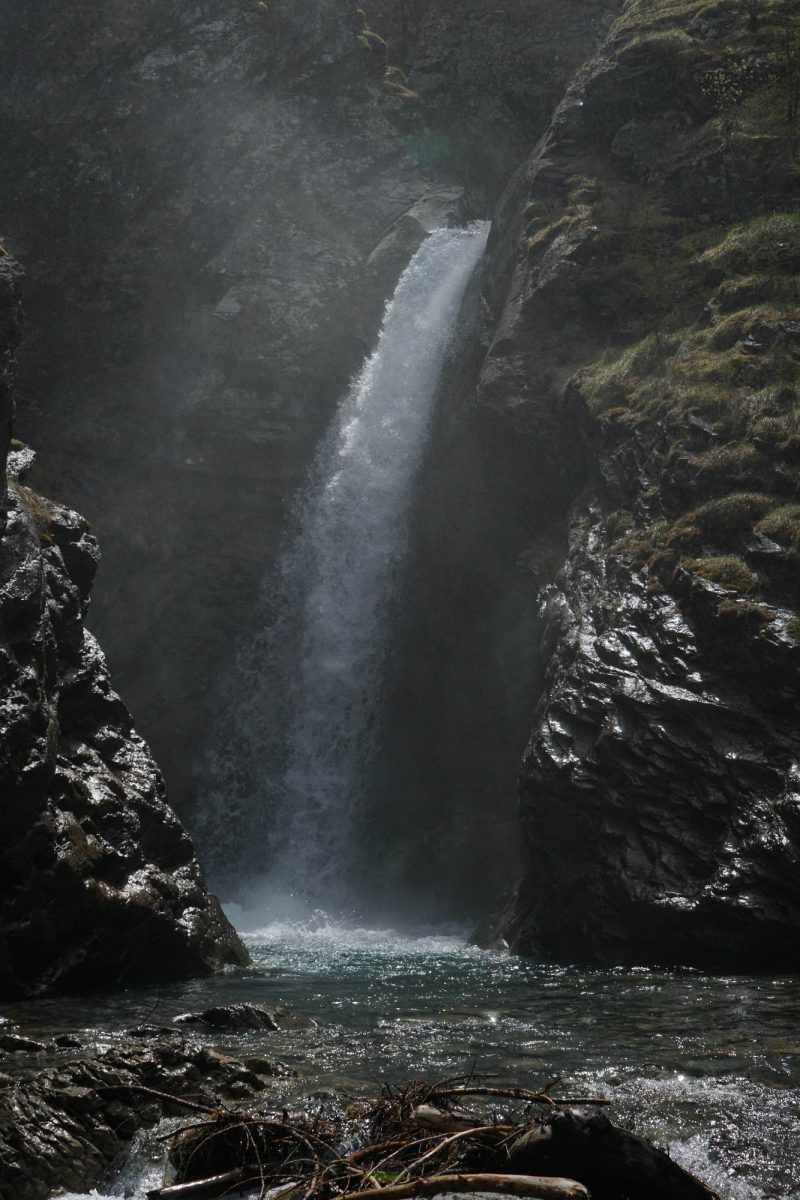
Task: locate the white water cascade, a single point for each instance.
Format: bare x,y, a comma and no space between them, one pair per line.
306,713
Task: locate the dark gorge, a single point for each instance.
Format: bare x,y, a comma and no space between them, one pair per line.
427,376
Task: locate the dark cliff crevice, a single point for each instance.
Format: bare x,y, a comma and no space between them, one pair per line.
100,885
651,320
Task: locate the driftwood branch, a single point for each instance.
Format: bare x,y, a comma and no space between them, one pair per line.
448,1141
537,1187
163,1096
428,1117
519,1093
509,1093
199,1189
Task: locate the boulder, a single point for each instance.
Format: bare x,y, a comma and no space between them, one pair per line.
608,1160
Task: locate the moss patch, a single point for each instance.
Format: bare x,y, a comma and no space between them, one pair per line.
782,524
39,510
727,570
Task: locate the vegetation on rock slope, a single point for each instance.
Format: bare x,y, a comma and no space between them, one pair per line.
650,341
688,348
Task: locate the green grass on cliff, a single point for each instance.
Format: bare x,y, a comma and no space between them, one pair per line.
719,401
729,570
783,525
738,59
744,22
768,244
39,509
696,371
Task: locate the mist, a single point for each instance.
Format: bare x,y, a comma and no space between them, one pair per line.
233,208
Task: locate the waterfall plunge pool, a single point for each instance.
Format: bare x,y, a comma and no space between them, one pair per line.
708,1066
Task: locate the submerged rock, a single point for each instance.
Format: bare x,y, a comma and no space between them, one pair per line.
241,1018
14,1044
148,1032
99,884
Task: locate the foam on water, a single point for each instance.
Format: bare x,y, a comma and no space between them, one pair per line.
319,929
143,1170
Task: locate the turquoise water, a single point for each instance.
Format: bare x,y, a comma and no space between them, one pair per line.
709,1067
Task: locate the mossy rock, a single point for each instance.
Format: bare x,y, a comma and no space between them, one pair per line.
782,524
620,522
727,570
725,520
40,511
395,81
636,547
747,616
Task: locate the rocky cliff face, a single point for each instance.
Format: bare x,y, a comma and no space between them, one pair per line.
645,305
98,880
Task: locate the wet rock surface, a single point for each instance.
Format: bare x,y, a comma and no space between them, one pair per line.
65,1127
657,789
98,880
659,795
584,1145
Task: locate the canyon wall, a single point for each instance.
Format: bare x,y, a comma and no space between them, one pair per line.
649,312
213,201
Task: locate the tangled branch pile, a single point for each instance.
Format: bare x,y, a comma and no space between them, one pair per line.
461,1135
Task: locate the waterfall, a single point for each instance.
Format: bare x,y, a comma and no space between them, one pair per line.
288,777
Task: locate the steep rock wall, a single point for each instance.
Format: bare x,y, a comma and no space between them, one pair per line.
645,307
98,880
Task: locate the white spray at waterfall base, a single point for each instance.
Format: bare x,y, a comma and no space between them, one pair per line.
307,715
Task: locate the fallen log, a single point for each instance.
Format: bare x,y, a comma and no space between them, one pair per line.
536,1187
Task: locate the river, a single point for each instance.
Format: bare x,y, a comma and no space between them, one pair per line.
707,1066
